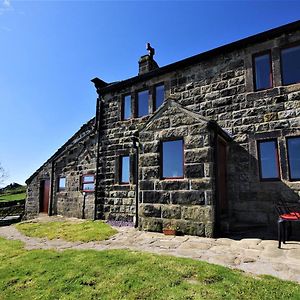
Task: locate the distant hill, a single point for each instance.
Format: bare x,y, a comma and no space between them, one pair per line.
11,187
13,192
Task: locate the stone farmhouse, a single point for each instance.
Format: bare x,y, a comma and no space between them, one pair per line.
202,144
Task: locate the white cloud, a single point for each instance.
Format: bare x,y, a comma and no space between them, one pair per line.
5,6
6,3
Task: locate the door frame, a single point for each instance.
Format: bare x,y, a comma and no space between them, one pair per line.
42,196
218,212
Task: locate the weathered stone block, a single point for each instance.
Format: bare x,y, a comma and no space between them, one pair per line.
171,212
188,197
198,129
197,155
150,173
197,213
193,141
194,171
146,185
151,224
161,123
149,160
190,228
151,147
156,197
173,133
209,229
150,210
172,185
201,184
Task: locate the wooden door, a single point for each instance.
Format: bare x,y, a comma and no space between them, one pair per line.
44,196
222,176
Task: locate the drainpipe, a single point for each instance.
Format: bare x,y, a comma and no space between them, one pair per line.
216,229
97,128
136,145
83,205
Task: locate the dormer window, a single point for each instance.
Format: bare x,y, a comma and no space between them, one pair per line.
262,71
126,107
290,65
143,103
159,96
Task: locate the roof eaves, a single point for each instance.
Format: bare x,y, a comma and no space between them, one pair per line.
269,34
60,150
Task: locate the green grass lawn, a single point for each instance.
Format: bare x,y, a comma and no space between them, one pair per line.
12,197
15,194
85,231
122,274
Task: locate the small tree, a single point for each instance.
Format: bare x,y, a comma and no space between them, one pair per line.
3,175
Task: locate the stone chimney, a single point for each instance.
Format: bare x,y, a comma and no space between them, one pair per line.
146,62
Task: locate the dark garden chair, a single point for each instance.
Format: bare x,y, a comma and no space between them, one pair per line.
287,213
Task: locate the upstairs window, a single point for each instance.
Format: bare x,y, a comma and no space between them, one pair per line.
88,183
126,107
159,96
293,146
262,71
172,159
268,160
290,65
61,184
142,103
124,169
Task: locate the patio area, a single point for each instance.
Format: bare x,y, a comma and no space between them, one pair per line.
252,255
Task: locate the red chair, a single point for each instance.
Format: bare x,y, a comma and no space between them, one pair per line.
287,213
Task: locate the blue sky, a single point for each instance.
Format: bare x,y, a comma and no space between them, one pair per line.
50,50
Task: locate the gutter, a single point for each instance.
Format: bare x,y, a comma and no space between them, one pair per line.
97,127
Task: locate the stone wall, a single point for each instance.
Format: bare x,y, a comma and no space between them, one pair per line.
73,164
219,88
74,159
186,204
32,205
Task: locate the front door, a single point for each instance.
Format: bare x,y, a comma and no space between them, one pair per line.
44,196
221,177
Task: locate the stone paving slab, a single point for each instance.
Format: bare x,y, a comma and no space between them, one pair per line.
250,255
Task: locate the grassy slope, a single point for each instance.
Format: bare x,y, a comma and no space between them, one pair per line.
121,274
12,197
70,231
14,194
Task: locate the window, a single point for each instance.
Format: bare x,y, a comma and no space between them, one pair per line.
290,65
142,103
124,169
88,183
172,159
262,71
268,160
126,107
159,95
293,146
61,184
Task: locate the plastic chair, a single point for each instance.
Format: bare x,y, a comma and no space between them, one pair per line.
287,213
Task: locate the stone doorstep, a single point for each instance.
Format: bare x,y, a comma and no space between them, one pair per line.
195,246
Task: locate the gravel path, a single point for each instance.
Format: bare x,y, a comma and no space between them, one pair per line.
251,255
